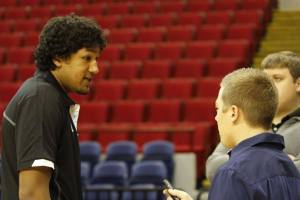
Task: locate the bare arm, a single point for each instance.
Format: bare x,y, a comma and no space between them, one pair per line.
34,183
216,160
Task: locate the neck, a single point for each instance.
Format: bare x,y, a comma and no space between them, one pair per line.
57,77
248,132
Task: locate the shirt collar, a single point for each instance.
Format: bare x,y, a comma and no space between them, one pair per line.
296,113
262,138
48,77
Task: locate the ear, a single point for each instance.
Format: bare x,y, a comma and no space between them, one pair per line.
57,62
235,113
297,83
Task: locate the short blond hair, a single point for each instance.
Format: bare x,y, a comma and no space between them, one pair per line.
283,59
254,93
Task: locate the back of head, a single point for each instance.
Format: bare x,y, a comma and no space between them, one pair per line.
283,59
254,93
65,35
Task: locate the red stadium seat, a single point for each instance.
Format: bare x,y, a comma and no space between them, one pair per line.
178,88
25,71
208,87
8,90
211,32
190,18
219,17
93,9
109,21
242,31
201,49
196,6
7,73
164,111
124,70
104,68
221,66
177,7
238,49
109,90
7,26
93,113
249,16
65,9
181,33
144,7
41,12
112,132
189,68
227,5
112,52
20,55
128,112
16,13
149,132
11,39
11,3
143,89
156,69
197,110
169,50
27,25
155,34
139,51
31,39
30,2
134,21
166,19
122,35
2,55
119,8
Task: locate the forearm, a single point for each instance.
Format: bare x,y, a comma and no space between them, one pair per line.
216,160
297,162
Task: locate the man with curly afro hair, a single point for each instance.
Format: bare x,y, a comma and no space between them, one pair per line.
40,154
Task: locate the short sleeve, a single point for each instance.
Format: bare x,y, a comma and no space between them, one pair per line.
38,129
227,185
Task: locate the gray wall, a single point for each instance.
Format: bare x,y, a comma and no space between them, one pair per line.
289,5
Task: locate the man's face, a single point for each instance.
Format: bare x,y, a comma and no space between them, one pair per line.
287,89
223,121
76,72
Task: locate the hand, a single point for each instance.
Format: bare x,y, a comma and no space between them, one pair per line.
181,195
291,157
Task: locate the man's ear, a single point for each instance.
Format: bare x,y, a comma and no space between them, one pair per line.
234,110
297,82
57,62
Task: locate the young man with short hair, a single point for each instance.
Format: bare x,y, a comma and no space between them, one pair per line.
284,68
257,167
40,154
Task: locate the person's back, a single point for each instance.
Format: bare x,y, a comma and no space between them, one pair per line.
272,176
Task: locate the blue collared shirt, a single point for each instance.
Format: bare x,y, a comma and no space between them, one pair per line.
257,170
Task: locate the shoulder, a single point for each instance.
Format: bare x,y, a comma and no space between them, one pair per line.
260,163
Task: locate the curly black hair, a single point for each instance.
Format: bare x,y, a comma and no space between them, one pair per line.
63,36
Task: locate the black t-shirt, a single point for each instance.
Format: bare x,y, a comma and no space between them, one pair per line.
38,131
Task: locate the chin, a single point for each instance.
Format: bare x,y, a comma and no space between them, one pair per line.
83,91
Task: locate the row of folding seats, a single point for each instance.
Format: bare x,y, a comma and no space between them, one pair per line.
143,20
114,90
153,111
199,137
147,51
126,151
154,34
141,7
164,69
